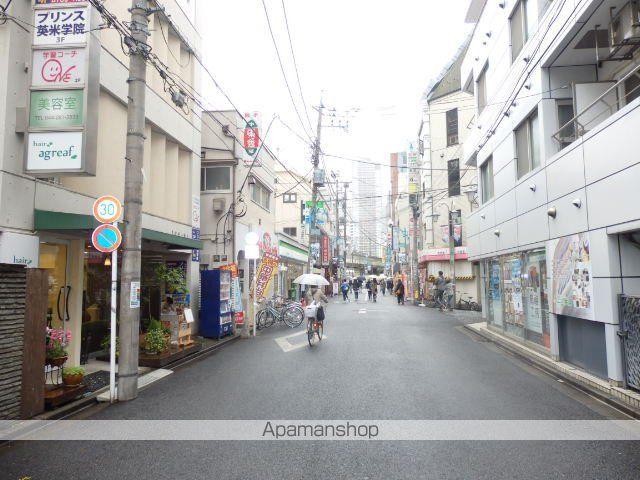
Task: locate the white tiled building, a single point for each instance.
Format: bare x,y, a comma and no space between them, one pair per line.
558,230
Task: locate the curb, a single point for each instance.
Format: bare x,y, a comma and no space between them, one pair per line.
549,367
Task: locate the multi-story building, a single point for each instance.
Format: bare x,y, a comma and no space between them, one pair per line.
557,91
367,204
63,104
237,195
292,191
448,113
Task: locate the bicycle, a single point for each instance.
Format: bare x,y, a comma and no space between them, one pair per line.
468,304
314,327
291,313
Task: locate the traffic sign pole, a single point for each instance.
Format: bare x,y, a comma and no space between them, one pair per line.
113,337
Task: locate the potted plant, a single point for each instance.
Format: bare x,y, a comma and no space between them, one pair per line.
56,342
106,344
72,376
155,342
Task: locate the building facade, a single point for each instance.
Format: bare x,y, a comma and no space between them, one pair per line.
555,141
448,185
46,218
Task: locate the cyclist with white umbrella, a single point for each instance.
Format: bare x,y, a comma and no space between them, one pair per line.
317,300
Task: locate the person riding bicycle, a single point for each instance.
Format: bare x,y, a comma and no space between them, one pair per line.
440,287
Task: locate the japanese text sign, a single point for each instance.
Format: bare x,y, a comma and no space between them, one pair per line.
56,109
60,26
268,266
59,67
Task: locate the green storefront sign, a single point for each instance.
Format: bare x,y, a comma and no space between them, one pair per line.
55,109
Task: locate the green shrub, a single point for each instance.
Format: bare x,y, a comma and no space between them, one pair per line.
155,341
73,371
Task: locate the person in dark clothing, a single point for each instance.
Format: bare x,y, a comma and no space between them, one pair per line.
390,285
374,289
345,290
399,291
369,293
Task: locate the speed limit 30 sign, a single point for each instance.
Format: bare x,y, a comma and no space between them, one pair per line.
107,209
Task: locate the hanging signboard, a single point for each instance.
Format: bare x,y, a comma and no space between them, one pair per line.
251,139
56,109
54,151
58,67
61,26
325,250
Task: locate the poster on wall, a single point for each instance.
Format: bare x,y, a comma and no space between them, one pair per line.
533,291
571,282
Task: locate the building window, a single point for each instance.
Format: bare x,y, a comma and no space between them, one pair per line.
565,113
481,89
453,168
261,195
290,198
215,178
632,88
518,27
452,127
486,179
291,231
528,145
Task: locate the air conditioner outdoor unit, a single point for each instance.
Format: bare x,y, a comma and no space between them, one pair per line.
624,29
218,205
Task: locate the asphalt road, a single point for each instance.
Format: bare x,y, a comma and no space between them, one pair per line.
388,363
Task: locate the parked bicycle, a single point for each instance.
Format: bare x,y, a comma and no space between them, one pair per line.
278,309
468,304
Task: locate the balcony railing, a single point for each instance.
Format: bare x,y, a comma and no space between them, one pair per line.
584,120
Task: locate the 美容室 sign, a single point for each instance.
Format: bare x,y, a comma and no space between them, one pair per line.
54,151
251,138
58,67
56,109
59,26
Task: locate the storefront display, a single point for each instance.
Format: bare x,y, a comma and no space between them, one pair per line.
516,295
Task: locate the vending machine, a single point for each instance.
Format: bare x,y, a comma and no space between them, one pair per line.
216,309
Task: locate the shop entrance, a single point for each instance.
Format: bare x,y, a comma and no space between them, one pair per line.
54,257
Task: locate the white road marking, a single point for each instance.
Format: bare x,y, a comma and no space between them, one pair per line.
362,310
287,346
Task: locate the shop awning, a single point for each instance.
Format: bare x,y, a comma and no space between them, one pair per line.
69,222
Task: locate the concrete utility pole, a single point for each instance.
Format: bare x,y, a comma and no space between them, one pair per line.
131,258
414,256
344,211
314,194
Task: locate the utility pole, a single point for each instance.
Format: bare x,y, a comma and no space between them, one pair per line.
314,194
131,259
344,211
414,256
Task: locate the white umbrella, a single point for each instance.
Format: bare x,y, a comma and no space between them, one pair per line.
311,279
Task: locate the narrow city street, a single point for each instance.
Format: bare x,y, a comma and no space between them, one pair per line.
378,361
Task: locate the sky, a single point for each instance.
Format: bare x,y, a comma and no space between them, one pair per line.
371,59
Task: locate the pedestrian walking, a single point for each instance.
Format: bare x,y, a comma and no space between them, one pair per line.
356,289
390,285
369,293
345,291
374,290
399,291
441,285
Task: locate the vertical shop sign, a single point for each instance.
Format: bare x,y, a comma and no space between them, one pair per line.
325,250
251,139
65,90
412,162
195,253
268,265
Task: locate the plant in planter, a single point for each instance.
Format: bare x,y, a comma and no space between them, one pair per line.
174,278
155,342
72,376
106,344
56,346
